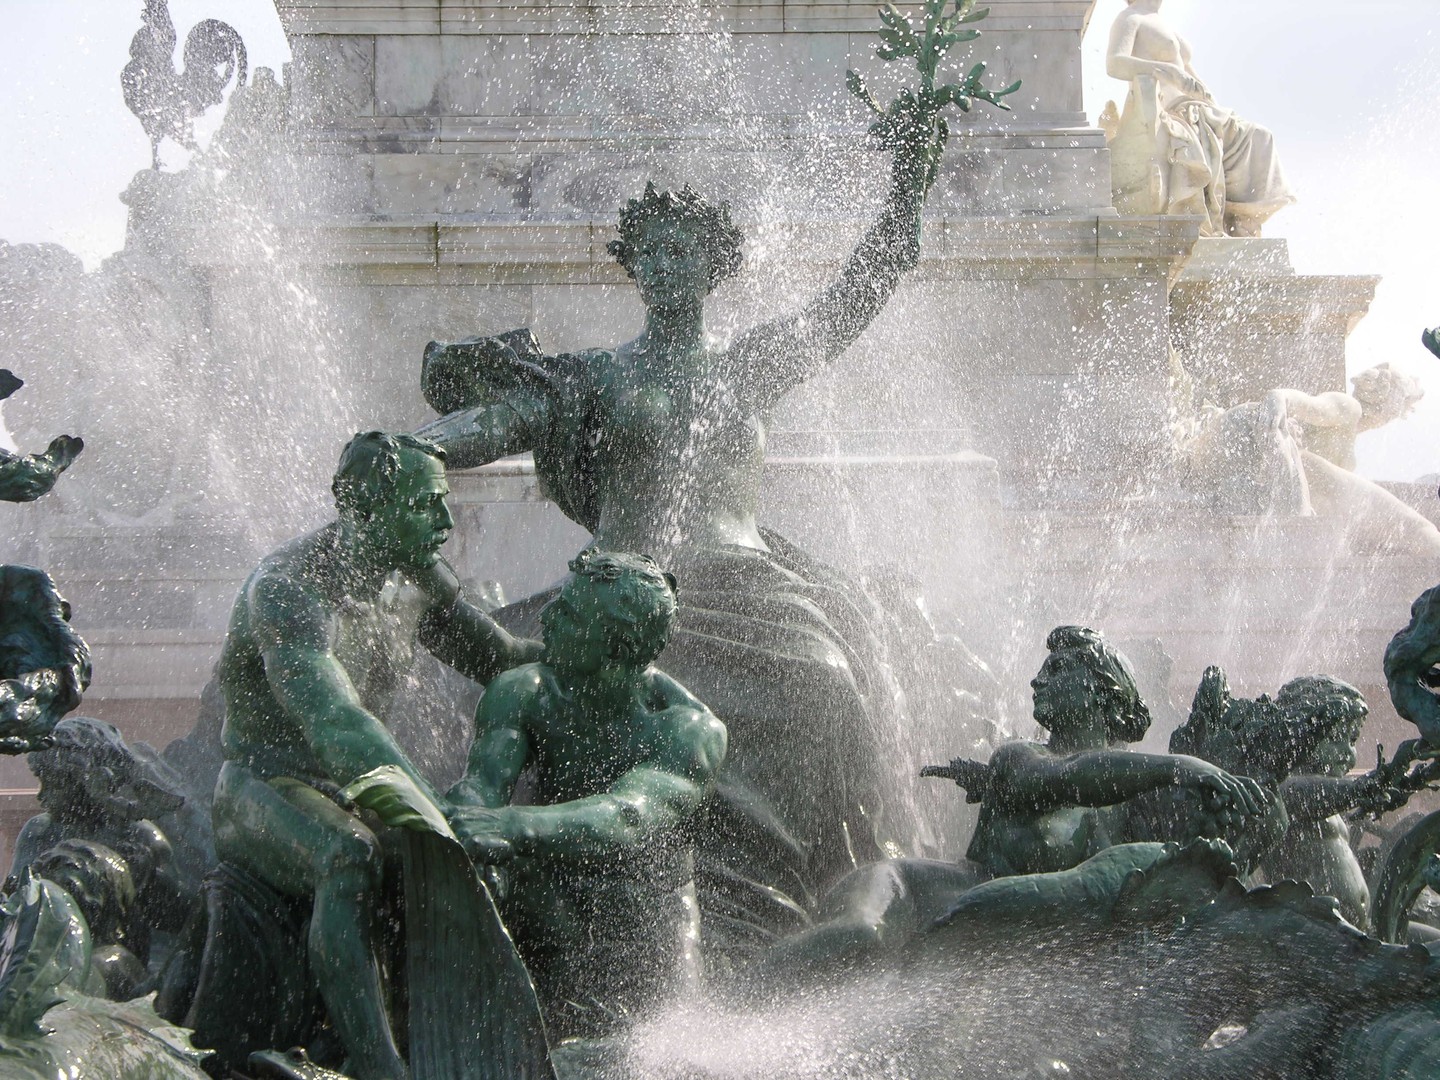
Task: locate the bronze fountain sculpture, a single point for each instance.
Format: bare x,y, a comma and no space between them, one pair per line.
638,829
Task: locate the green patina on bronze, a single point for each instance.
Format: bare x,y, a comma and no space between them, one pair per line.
658,444
555,891
97,836
599,861
26,477
1049,806
319,640
1412,666
1045,810
44,663
54,1020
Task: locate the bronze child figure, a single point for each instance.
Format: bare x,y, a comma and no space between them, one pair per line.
618,757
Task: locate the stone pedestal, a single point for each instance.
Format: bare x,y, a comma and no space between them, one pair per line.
524,110
1245,322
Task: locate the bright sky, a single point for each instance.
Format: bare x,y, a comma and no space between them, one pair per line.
1351,90
71,144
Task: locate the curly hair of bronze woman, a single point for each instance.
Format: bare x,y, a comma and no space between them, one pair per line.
1322,706
719,239
1127,716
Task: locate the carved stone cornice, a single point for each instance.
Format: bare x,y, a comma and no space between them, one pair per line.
446,17
456,251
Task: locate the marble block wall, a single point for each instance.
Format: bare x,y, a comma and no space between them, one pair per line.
1245,323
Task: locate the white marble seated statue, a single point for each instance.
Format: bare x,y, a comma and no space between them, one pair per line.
1174,150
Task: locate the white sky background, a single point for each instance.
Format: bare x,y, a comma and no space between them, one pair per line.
70,144
1351,89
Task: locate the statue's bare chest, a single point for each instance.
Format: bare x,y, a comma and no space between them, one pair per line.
576,757
655,421
1156,41
375,641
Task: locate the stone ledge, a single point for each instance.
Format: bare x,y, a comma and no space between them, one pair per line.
1229,257
519,251
535,245
576,134
160,638
436,17
1283,301
17,806
397,244
510,480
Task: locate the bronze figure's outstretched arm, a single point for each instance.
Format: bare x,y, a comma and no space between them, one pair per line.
972,776
1036,781
774,358
780,355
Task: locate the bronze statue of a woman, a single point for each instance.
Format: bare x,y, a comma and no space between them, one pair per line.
657,446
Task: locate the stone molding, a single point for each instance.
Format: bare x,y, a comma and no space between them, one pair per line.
447,17
573,252
1283,303
1252,279
575,133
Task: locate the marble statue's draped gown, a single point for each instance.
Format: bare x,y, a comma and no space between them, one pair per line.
784,649
1219,164
1176,151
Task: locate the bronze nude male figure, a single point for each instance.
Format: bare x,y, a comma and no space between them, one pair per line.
318,639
